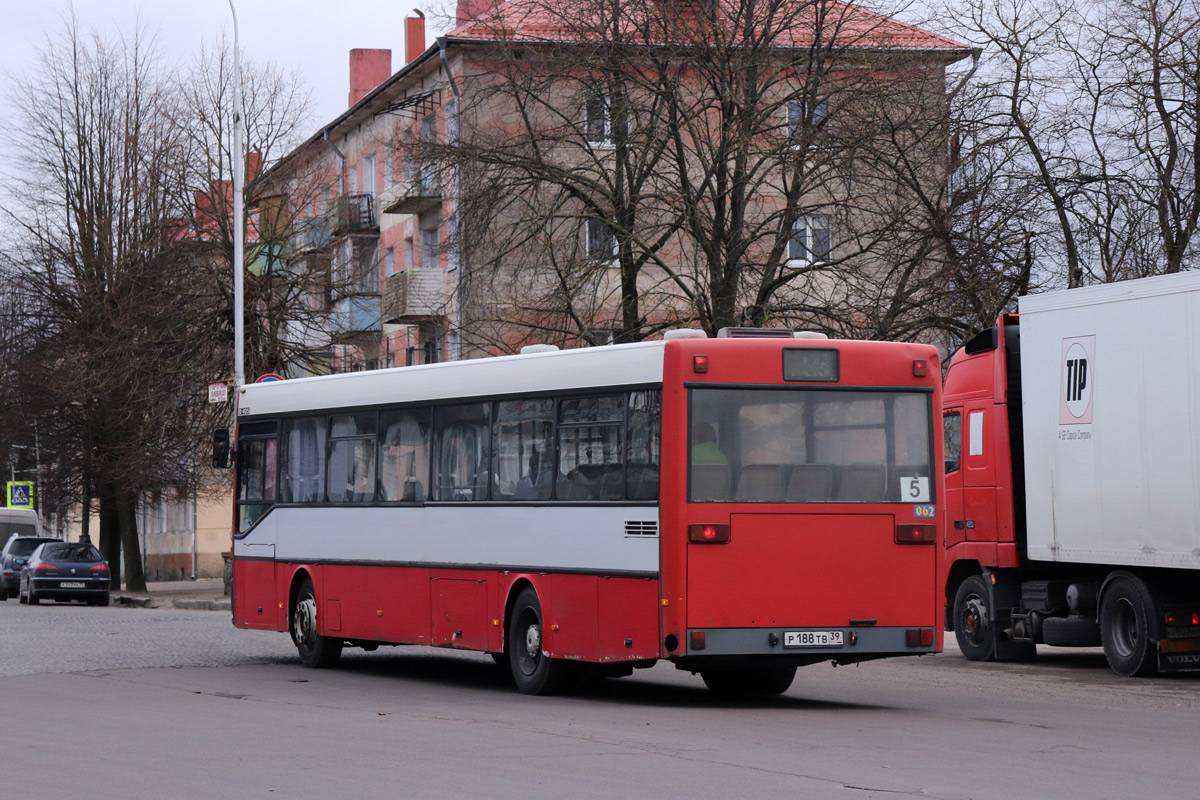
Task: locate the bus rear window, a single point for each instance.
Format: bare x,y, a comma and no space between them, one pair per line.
809,446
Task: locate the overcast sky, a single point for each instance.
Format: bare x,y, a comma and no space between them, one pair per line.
315,38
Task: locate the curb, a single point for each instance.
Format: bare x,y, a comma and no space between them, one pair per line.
204,605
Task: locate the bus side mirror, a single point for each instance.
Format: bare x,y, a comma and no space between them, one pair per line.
220,454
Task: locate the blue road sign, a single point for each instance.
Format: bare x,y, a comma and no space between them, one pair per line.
20,494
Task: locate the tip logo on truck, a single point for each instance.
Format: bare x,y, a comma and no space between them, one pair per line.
1078,376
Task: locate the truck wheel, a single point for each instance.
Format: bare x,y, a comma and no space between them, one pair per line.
972,627
1125,628
1071,631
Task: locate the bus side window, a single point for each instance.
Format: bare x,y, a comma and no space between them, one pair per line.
645,445
351,469
952,427
461,444
404,455
302,476
590,448
523,454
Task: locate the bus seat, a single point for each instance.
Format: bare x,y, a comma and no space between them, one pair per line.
710,482
862,483
413,491
760,483
810,483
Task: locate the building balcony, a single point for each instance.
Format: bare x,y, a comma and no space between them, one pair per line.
419,194
308,235
354,315
355,213
414,295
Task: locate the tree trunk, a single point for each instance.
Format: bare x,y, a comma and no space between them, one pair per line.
110,532
135,576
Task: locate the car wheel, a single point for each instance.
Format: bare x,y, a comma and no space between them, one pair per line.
20,595
316,651
533,671
33,598
972,627
103,601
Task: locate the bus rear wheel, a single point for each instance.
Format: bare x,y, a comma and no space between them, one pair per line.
533,671
316,651
749,681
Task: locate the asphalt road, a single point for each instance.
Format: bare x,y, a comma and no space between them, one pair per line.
153,703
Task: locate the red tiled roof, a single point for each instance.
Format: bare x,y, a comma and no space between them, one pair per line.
846,24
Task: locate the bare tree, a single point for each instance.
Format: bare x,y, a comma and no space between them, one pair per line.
114,369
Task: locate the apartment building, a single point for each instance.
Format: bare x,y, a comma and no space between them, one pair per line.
421,259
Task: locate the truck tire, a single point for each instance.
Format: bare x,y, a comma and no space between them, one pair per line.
1071,632
1125,613
972,627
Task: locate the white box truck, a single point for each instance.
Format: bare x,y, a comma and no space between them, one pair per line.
1073,477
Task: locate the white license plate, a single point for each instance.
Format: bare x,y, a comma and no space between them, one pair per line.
812,638
72,585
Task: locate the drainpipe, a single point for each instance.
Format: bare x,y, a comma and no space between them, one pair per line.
457,353
976,52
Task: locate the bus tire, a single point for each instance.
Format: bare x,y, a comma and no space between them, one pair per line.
533,671
972,627
1125,614
749,681
316,651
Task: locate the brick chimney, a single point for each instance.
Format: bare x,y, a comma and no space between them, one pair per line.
470,9
368,69
414,36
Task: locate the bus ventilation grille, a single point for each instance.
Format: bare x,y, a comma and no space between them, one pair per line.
641,528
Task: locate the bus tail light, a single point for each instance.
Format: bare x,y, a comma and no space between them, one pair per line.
916,534
708,534
700,363
920,368
919,637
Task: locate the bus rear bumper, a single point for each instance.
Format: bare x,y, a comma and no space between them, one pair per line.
811,645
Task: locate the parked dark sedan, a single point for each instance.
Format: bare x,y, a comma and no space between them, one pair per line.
65,571
16,552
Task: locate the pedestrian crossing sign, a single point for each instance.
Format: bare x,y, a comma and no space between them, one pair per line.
20,494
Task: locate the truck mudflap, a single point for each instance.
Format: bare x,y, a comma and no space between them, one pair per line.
1179,655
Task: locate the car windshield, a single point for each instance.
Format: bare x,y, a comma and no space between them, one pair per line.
23,547
70,552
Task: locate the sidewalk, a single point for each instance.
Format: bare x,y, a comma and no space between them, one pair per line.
205,594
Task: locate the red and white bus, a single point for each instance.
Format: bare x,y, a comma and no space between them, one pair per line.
738,506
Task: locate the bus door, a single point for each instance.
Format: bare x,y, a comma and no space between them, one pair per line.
253,550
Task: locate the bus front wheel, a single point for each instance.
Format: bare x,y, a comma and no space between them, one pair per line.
315,650
533,671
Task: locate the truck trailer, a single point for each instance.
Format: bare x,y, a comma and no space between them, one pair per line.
1072,441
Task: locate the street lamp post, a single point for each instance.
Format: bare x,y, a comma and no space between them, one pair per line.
238,159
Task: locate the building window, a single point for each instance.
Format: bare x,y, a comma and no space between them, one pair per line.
389,261
798,121
408,154
369,175
389,164
810,242
354,179
408,253
601,242
430,243
599,123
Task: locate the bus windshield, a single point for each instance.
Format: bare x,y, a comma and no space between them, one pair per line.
822,445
